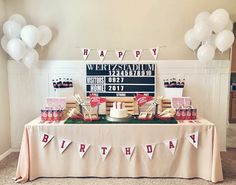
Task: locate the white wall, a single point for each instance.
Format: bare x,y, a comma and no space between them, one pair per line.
4,103
113,24
208,85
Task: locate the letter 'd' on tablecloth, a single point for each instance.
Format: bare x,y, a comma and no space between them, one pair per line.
149,149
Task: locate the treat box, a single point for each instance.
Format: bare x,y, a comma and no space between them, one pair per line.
173,92
68,93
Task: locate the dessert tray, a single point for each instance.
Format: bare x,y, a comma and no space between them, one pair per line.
131,120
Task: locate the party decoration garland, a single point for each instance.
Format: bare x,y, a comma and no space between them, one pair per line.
127,150
20,39
120,54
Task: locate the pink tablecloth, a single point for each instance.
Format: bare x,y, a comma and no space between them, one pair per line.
187,162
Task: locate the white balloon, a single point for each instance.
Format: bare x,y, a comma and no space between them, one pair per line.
30,35
11,29
190,40
4,42
224,40
229,26
219,20
202,16
205,53
30,58
19,19
45,35
211,41
16,49
202,30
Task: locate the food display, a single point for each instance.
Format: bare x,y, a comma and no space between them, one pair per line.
167,114
142,107
118,110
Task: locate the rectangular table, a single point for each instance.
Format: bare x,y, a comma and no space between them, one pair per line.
187,162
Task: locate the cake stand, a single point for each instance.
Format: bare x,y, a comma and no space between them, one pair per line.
111,119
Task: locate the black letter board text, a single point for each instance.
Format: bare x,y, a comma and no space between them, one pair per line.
121,80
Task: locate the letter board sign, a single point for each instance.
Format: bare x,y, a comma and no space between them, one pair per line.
120,80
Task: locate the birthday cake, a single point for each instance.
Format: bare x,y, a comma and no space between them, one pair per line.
118,110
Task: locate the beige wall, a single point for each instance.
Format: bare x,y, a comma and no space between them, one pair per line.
114,24
5,143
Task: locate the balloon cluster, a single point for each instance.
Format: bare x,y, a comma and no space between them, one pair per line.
20,39
210,31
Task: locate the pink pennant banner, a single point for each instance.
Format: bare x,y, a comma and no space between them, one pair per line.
149,149
45,139
142,99
128,151
104,151
171,145
154,52
63,144
102,54
83,148
193,138
96,100
85,52
137,54
120,54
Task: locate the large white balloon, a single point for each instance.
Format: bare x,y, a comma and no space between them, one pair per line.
219,20
30,35
205,53
190,40
202,16
224,40
19,19
11,29
202,30
45,35
30,58
4,42
16,49
211,41
229,26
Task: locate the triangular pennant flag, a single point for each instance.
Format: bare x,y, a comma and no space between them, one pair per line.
96,100
63,144
171,145
102,53
193,138
149,149
45,139
137,53
85,52
104,150
82,148
128,151
142,99
120,54
154,52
